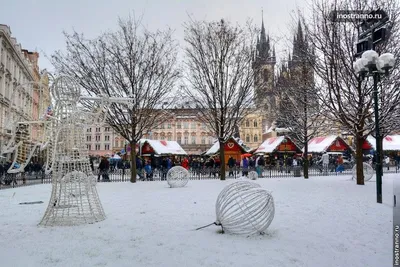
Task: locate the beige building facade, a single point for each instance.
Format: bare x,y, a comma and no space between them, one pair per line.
19,67
251,129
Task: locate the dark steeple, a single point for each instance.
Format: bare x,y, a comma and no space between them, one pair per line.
263,45
263,38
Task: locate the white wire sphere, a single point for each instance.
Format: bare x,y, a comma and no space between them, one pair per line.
66,89
253,175
245,208
368,172
177,177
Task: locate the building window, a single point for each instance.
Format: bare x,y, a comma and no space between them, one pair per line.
179,125
247,123
97,129
193,125
247,138
88,138
203,126
97,138
169,138
255,138
169,125
89,130
106,147
89,147
185,125
107,138
186,140
97,147
193,140
210,141
116,143
179,139
107,129
255,124
265,74
203,140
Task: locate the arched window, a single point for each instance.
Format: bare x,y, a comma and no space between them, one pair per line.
255,138
247,123
248,138
255,124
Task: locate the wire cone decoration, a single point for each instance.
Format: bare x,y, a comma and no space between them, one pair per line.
74,199
368,172
177,177
244,208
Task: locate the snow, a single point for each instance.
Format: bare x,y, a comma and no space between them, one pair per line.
323,221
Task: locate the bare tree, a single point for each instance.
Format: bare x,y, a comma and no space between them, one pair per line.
219,59
299,111
129,62
346,98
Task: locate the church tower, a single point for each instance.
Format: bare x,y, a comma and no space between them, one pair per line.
264,66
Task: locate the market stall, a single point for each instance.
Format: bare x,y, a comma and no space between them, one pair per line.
160,148
280,144
331,143
233,147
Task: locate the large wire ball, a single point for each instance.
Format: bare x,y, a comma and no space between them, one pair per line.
66,89
177,177
253,175
244,207
368,172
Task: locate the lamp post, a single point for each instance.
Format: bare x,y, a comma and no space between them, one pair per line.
371,64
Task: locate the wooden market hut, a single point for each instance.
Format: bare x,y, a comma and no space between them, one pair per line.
389,143
280,144
233,147
331,143
160,148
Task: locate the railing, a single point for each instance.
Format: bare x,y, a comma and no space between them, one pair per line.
204,173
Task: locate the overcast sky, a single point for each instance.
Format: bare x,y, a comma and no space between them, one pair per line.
38,24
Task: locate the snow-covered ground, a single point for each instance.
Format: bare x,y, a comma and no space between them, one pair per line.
323,221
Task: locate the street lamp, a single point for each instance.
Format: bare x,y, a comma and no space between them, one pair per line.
371,64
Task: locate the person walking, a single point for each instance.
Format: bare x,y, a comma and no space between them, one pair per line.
387,162
231,165
245,166
325,162
104,167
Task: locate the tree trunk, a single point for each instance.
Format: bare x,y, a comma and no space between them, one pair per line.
133,161
305,160
222,159
359,159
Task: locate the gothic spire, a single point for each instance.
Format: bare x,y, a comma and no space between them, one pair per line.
263,38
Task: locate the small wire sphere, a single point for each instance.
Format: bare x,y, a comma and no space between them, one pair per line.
253,175
368,172
67,89
245,208
177,177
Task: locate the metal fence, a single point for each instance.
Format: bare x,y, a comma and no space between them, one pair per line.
123,175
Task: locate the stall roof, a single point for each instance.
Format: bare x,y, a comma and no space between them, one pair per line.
371,140
162,147
269,145
322,143
390,142
215,148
